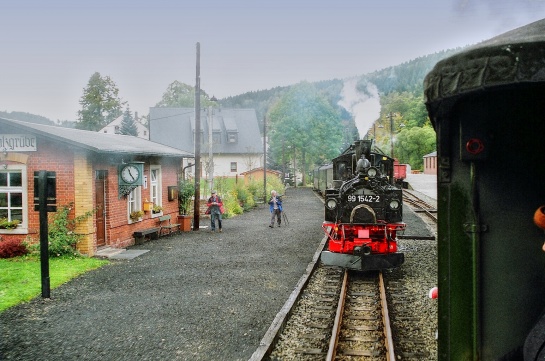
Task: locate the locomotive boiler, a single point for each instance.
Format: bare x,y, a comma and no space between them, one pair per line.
363,211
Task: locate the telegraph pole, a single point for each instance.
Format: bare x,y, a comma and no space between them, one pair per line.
265,160
196,205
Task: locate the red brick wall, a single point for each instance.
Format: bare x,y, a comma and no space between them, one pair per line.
52,156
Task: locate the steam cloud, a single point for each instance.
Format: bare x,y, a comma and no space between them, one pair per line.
364,107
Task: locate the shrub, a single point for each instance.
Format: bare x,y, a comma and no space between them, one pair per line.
12,248
231,204
61,236
244,197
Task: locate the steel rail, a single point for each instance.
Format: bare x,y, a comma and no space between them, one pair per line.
389,343
331,353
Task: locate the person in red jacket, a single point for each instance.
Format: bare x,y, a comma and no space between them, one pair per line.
215,205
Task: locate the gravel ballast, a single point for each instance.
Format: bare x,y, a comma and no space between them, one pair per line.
194,296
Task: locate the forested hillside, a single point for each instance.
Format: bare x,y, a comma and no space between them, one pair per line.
26,117
406,77
401,130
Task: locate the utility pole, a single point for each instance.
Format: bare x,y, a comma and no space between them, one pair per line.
210,155
265,159
196,205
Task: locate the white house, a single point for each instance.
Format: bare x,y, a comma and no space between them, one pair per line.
231,135
115,126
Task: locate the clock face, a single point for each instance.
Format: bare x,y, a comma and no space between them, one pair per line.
130,174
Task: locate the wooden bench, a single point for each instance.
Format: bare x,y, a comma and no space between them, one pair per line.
140,236
164,225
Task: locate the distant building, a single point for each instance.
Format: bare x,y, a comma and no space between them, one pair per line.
115,127
430,163
256,174
234,136
89,169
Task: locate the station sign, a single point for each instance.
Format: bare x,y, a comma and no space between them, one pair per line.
18,143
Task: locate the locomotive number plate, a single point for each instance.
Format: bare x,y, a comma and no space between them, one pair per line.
364,198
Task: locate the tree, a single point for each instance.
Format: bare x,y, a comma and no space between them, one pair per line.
100,103
414,143
128,124
305,128
180,95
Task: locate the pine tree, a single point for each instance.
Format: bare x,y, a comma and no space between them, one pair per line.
128,124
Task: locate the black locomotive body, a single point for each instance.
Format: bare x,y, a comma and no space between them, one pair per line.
363,211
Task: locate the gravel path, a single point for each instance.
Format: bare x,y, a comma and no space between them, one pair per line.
195,296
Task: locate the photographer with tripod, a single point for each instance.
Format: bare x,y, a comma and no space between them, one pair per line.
275,206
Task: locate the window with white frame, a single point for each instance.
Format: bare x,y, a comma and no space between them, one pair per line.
155,185
13,195
233,166
134,200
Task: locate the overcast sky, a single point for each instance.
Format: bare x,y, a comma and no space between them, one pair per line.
50,48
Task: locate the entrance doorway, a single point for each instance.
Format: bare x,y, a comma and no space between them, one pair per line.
100,202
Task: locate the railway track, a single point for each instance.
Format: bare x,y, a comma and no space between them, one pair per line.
362,326
419,205
339,316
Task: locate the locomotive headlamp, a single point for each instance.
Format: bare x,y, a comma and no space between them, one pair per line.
372,172
331,204
394,204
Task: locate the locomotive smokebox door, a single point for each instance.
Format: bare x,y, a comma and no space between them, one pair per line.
486,105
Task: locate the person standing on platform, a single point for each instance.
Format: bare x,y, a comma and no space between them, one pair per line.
275,206
215,206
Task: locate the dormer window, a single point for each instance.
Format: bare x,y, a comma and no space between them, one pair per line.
232,137
216,138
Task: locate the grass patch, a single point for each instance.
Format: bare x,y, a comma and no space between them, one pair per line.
20,277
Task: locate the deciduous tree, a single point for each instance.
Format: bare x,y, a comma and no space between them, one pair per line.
304,127
180,95
100,103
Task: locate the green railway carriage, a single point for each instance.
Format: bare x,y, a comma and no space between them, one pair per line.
487,104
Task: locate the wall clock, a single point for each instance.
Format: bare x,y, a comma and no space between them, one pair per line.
130,174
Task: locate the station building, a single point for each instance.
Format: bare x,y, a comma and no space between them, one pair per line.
114,176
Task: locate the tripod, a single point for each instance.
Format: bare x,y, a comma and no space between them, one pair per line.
285,218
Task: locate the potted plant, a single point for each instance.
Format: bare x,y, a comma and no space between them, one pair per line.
156,209
186,191
136,215
5,224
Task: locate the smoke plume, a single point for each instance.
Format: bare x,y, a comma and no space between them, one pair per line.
364,106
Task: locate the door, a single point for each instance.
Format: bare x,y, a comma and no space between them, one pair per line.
100,197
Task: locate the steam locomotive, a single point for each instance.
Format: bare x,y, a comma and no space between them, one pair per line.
363,210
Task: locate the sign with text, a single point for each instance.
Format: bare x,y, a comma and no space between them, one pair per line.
18,142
